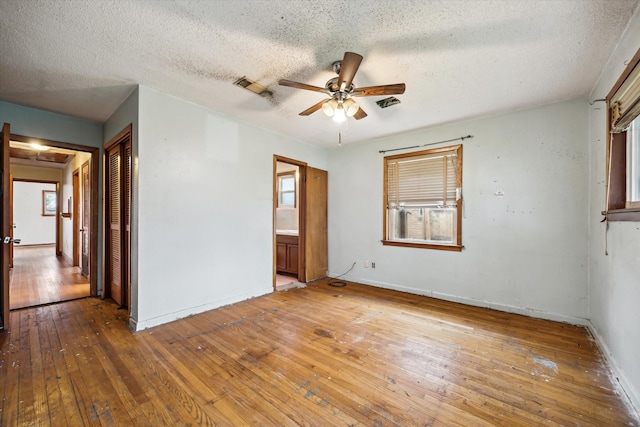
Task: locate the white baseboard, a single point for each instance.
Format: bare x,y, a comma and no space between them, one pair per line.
627,391
539,314
66,258
137,326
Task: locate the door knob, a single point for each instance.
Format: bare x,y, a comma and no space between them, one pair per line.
8,240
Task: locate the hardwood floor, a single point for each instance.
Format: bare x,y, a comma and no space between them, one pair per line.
39,277
317,355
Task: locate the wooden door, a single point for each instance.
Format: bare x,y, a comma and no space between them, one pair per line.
315,230
85,217
114,224
5,225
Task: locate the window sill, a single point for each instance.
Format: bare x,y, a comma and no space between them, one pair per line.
632,214
453,248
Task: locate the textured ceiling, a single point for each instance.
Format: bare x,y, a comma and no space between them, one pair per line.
459,59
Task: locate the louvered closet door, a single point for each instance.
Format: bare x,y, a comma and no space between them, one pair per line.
114,200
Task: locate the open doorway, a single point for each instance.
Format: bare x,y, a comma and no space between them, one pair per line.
299,223
287,224
50,222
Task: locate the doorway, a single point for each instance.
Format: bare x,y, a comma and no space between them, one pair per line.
299,223
32,159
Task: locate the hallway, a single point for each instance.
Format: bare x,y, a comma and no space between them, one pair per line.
39,277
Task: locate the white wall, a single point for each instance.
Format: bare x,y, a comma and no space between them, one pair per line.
525,252
32,228
614,279
205,208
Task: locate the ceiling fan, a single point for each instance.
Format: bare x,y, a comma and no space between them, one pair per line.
341,91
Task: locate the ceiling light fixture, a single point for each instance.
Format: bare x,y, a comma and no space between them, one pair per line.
340,110
38,147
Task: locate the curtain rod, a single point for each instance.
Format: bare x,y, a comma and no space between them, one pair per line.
462,138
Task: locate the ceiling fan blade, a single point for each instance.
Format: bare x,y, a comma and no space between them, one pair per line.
360,114
289,83
348,69
313,108
394,89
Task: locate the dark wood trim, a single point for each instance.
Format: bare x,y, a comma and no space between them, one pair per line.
95,208
453,248
632,214
617,172
36,180
5,228
120,137
75,222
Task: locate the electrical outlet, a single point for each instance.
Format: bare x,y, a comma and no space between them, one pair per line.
366,264
373,264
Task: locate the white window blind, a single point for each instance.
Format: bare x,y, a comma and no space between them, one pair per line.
423,180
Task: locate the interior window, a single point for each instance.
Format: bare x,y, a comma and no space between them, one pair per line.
287,190
423,199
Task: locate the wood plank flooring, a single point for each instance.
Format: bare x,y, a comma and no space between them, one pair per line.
39,277
318,356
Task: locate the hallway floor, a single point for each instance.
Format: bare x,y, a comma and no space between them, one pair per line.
39,277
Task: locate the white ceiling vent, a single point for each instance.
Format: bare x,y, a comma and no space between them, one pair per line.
388,102
252,86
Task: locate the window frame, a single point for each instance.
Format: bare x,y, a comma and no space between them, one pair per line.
617,207
457,246
280,177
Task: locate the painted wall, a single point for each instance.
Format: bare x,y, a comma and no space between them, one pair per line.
614,279
32,228
205,207
35,173
36,123
525,252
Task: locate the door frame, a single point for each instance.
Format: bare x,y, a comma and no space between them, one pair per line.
4,226
301,202
75,181
94,201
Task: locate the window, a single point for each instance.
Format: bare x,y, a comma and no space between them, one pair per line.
623,154
287,190
423,199
633,164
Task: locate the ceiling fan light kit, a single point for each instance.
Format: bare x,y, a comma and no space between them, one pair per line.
341,91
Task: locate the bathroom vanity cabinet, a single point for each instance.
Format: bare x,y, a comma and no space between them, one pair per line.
286,254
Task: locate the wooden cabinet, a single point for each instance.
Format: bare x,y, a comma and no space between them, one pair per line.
286,254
